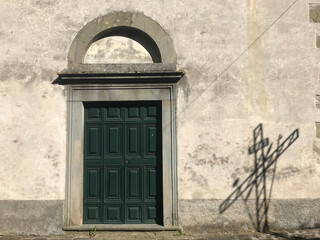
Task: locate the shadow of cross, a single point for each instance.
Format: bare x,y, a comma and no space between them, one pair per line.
263,161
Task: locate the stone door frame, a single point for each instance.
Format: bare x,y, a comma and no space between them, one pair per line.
77,94
120,82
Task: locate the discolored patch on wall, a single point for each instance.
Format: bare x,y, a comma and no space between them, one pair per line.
314,12
317,129
203,161
185,86
316,147
318,45
198,178
228,84
287,172
44,3
202,156
60,57
238,172
52,156
25,72
317,97
16,70
54,159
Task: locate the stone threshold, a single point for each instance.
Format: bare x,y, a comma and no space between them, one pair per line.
122,227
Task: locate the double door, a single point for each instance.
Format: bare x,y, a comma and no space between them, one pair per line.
122,163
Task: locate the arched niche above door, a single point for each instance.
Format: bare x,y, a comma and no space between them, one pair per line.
134,26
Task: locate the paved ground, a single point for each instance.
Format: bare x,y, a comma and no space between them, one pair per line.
312,234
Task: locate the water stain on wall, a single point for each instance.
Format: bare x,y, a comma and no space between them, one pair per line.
185,86
287,172
24,71
203,156
316,147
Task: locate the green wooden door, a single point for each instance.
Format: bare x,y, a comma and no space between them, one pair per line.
122,162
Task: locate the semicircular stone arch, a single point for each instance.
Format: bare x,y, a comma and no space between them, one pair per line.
135,26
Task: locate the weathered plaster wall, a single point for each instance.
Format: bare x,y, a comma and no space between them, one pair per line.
274,82
33,111
246,62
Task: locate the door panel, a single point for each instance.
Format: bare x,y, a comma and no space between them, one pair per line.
92,214
133,183
151,183
151,139
133,214
133,113
114,113
123,163
94,114
150,213
93,141
92,188
152,112
113,213
133,140
113,183
113,139
94,183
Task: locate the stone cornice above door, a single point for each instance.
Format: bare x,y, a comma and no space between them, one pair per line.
119,78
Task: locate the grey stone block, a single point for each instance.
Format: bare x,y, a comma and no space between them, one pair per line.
39,217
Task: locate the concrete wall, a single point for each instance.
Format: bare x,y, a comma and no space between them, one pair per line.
246,62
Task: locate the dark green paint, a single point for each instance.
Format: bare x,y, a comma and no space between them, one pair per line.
122,163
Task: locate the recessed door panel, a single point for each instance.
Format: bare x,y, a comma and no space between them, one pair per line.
113,113
93,141
113,183
133,113
122,163
93,114
133,214
151,183
92,214
150,139
113,213
93,183
151,112
133,138
113,139
151,213
133,183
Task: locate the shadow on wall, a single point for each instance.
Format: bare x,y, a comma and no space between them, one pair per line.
265,163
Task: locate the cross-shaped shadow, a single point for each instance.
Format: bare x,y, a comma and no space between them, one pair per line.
264,161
